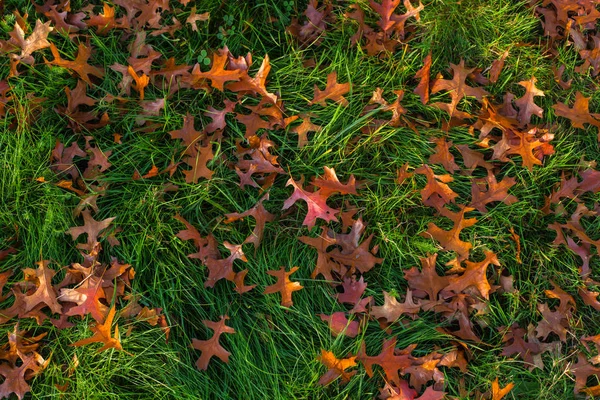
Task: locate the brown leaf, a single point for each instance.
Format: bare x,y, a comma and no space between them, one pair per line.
579,114
527,107
457,87
217,74
427,281
200,156
79,65
475,275
102,334
495,192
193,18
402,174
316,201
90,227
422,88
391,362
336,367
391,310
340,325
333,91
443,156
436,193
283,285
261,216
38,40
44,292
303,129
497,66
450,240
211,347
582,370
140,81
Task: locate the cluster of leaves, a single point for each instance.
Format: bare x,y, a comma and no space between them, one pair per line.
507,132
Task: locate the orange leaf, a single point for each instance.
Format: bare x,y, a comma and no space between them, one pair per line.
102,334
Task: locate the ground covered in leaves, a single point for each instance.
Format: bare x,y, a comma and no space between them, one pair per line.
291,199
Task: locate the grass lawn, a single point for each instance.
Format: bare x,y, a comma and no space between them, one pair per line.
275,348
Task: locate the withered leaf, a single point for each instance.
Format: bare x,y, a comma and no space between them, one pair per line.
193,18
102,334
283,285
475,275
497,66
391,310
217,74
333,91
79,65
44,293
92,228
426,281
261,216
579,114
495,192
443,156
422,88
526,105
436,193
340,325
391,362
457,87
499,393
211,347
450,240
336,367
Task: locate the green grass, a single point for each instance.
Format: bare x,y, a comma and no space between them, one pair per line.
274,350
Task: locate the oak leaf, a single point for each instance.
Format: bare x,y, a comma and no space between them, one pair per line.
391,310
496,192
316,202
283,285
340,325
211,347
198,160
499,393
579,114
333,91
140,81
336,367
217,74
193,18
422,88
102,334
92,228
352,294
44,292
79,65
391,362
582,370
260,215
88,297
457,87
475,275
303,129
107,21
426,281
450,240
526,105
497,66
38,40
443,156
436,192
515,344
